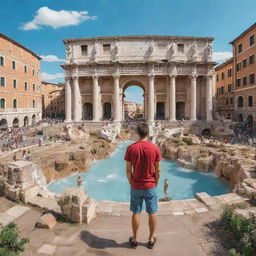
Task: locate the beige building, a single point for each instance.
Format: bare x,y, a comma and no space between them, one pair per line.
174,72
20,85
53,100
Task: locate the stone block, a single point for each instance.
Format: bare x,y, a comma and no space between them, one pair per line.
28,193
47,221
12,193
47,249
89,211
17,211
76,213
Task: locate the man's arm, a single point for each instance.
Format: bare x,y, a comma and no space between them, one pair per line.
129,171
157,171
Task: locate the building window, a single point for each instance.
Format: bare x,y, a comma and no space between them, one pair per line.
251,59
25,69
26,86
250,101
226,101
251,40
34,103
33,72
13,65
222,90
84,50
14,103
230,72
217,78
244,63
14,83
244,80
231,100
2,81
106,48
229,87
34,87
240,102
2,103
240,48
222,76
1,61
238,66
251,78
238,82
181,48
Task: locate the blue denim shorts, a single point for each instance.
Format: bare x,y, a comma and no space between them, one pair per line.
137,197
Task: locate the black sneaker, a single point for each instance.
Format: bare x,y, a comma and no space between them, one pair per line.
132,243
151,244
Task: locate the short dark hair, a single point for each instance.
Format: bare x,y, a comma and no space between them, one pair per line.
143,130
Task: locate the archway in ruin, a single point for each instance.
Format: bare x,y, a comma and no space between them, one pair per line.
25,121
180,110
133,103
3,124
160,111
15,123
88,111
107,111
33,119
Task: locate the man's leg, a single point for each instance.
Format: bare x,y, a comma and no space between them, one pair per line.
135,225
152,226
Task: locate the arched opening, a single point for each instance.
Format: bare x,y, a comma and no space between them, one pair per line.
240,102
107,111
207,132
15,123
180,110
250,120
250,101
160,111
33,119
25,121
3,124
87,108
229,116
133,101
240,118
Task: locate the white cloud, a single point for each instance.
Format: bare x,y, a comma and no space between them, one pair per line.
51,77
51,58
221,56
56,19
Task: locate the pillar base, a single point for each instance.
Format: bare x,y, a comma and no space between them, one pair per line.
68,121
193,119
172,120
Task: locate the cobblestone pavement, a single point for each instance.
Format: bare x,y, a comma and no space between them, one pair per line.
177,235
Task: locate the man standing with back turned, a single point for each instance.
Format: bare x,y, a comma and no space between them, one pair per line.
143,173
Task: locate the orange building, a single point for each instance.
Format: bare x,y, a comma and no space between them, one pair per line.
224,86
244,52
53,100
20,85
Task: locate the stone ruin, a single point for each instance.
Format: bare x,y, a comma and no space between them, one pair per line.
109,132
24,181
76,206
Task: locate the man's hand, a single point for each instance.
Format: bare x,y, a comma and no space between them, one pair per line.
129,171
157,171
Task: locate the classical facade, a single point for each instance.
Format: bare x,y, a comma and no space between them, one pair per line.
53,100
20,85
174,72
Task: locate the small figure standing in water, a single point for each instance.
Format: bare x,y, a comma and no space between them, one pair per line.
79,181
166,187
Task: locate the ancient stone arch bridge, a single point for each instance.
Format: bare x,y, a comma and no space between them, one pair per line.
174,72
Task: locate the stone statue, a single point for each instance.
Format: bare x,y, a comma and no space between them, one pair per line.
114,52
68,51
171,51
194,50
93,53
209,49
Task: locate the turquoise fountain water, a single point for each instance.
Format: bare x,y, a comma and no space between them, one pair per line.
106,180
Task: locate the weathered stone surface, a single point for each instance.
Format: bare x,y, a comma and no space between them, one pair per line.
79,133
28,193
47,221
89,211
109,132
61,162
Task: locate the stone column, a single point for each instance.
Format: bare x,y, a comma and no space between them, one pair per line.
209,88
172,98
116,99
151,99
193,97
77,100
68,100
95,98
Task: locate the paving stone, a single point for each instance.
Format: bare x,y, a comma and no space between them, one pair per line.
17,211
189,212
177,213
203,209
65,251
47,249
5,218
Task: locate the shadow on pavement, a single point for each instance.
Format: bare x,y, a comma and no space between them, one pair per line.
102,243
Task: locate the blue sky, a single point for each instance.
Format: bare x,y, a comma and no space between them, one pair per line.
41,25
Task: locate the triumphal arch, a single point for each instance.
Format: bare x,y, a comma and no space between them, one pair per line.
175,73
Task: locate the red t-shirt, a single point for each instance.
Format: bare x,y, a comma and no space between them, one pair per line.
143,155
